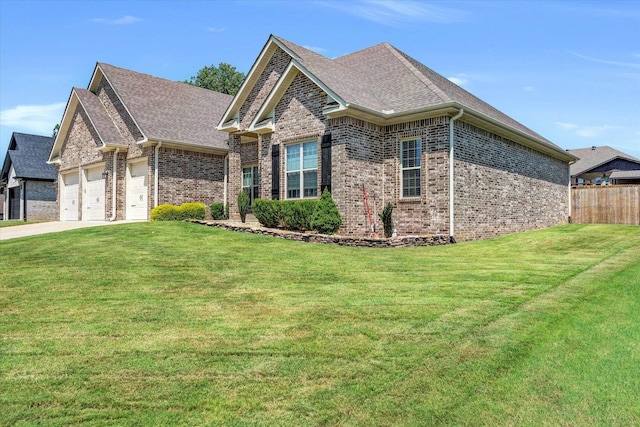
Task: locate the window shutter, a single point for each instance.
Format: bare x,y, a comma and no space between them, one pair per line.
325,181
275,172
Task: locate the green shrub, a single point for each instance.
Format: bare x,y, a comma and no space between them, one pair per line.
165,212
297,214
387,220
326,219
226,211
218,211
243,204
192,210
168,212
268,212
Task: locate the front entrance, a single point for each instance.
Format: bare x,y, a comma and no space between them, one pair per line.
93,208
251,183
137,191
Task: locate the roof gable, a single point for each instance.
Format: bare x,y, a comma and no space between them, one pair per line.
28,154
594,157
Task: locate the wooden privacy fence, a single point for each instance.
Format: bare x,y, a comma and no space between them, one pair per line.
606,204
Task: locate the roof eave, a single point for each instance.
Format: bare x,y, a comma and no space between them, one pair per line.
181,145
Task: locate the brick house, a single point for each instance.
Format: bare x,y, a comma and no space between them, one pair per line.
604,165
131,141
377,118
27,182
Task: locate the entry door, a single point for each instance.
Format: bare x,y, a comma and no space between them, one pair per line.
94,195
69,202
14,203
137,191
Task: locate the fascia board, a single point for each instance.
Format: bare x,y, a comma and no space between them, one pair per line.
254,74
283,84
94,86
184,146
65,124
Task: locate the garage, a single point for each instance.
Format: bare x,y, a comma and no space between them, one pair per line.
137,191
69,197
93,208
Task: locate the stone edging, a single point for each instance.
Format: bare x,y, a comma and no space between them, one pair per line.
326,239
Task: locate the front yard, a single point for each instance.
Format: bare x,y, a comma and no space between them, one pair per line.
175,323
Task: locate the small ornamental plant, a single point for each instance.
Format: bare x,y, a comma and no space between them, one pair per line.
218,211
326,219
243,205
387,220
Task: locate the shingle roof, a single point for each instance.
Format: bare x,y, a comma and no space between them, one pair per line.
28,155
383,79
592,157
634,174
98,115
168,110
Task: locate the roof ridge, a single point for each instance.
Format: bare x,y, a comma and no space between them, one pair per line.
426,81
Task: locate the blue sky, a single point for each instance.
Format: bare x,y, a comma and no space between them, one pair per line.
570,70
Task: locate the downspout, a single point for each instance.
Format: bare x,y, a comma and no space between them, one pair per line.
114,181
156,178
226,172
451,183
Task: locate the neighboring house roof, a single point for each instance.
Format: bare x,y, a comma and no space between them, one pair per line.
383,83
592,157
634,174
163,110
28,155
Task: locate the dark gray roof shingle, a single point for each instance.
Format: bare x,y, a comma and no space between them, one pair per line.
28,154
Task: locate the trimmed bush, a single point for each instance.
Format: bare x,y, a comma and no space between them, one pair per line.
165,212
326,219
387,220
192,210
168,212
218,211
268,212
243,204
297,214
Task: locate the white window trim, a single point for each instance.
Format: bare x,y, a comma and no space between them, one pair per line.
302,170
250,165
402,169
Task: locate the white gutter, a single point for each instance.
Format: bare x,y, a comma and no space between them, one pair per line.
451,183
226,172
156,178
114,181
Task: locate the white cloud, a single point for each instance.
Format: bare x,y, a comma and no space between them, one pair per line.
607,62
586,131
125,20
399,13
215,30
567,126
315,49
38,119
458,80
529,89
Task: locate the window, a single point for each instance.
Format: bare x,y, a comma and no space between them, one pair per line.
302,170
250,182
410,155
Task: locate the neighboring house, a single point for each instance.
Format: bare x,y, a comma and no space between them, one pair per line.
379,119
27,181
132,141
604,165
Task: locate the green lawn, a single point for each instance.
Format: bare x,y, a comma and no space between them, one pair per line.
175,323
14,222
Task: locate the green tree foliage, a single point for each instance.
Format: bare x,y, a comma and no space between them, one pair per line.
326,218
243,204
387,220
224,78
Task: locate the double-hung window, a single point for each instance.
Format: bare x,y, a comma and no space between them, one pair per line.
410,155
302,170
251,182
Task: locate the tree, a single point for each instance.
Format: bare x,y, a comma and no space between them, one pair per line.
223,78
56,128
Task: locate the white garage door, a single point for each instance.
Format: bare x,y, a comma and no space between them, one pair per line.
94,195
137,191
69,197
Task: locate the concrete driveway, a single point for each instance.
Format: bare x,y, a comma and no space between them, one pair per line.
48,227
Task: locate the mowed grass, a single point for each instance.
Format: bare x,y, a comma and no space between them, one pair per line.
179,324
